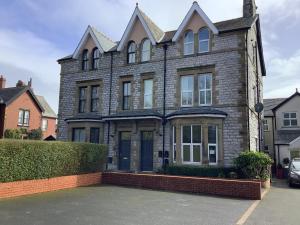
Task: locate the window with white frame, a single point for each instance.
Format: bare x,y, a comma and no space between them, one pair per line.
203,40
148,94
174,144
146,47
188,47
213,144
191,144
187,89
290,119
266,125
44,124
23,119
205,89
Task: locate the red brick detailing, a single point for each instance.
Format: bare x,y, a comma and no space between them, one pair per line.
223,187
28,187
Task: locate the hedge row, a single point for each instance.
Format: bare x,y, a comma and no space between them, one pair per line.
26,160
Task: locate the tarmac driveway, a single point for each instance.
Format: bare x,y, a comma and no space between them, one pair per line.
111,205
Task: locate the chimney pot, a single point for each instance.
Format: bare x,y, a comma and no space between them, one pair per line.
20,83
2,82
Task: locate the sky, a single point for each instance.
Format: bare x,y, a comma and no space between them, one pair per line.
35,33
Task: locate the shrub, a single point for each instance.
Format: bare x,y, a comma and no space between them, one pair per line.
35,134
13,133
197,171
26,160
254,165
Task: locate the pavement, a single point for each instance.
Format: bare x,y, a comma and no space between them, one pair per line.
111,205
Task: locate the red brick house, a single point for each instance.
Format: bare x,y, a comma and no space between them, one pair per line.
21,108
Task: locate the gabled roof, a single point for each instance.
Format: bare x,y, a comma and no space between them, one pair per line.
286,100
8,95
195,8
48,111
269,104
154,33
103,43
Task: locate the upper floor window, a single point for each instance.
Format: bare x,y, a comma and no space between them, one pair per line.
126,95
266,125
188,43
23,119
44,124
95,98
82,99
187,89
148,94
78,135
85,59
290,119
205,89
146,47
203,40
131,52
96,58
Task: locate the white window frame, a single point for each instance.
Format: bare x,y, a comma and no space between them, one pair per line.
185,43
290,119
266,125
191,162
215,145
205,90
174,145
187,91
148,94
204,40
44,124
146,53
25,116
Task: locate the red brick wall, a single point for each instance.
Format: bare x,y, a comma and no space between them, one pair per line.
223,187
19,188
12,112
51,127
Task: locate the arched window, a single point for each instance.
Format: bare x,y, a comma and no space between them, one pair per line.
131,52
204,40
96,58
146,47
188,43
85,59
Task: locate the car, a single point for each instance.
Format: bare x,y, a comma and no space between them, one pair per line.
294,172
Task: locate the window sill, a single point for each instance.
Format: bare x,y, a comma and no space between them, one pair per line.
23,125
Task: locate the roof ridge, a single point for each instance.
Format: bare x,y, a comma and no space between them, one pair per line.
101,33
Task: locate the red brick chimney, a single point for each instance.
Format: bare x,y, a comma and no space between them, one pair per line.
2,82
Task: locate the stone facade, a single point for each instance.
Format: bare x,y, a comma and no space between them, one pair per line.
227,61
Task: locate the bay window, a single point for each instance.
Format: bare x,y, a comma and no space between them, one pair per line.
174,144
191,144
187,88
78,135
212,144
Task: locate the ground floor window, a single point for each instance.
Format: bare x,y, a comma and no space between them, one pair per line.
191,144
95,135
174,144
212,144
78,135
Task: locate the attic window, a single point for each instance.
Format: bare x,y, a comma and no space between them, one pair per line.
188,43
203,40
96,58
146,46
131,52
85,59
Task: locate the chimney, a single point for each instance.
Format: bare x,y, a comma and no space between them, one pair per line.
2,82
20,84
249,8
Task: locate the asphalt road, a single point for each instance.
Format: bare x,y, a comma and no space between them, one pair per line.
280,206
110,205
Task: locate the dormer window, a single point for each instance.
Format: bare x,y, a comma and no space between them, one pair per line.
96,58
188,47
146,47
131,52
203,40
85,59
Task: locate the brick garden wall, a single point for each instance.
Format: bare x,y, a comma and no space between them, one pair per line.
222,187
19,188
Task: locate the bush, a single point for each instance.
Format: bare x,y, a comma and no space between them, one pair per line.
254,165
35,134
197,171
13,133
26,160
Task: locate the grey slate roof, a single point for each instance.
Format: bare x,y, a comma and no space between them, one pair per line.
235,24
271,103
134,114
48,111
106,43
286,136
86,116
197,110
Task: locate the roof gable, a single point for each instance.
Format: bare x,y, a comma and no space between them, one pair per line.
103,43
48,111
286,100
154,33
194,9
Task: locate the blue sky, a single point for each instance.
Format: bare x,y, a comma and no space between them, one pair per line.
35,33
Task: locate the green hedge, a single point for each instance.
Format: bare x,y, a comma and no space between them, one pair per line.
197,171
26,160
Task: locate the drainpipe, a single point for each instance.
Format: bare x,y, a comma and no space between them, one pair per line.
247,90
273,134
165,46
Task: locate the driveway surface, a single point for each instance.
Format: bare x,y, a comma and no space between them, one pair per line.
111,205
280,206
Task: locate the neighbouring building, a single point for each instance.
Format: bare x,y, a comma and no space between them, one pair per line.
185,96
21,108
282,127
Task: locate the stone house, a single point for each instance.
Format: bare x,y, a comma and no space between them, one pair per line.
281,127
21,108
159,97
